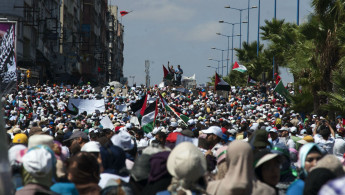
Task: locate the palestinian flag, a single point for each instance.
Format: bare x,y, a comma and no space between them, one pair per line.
174,109
283,91
167,75
220,84
148,116
123,13
239,68
136,107
251,81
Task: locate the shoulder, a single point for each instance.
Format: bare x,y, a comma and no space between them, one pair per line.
334,187
296,187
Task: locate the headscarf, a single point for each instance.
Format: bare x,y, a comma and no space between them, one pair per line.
186,164
240,174
303,153
113,160
158,164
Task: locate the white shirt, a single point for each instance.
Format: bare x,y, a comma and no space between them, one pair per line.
326,145
291,144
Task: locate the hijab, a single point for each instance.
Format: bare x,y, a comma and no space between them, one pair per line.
240,175
304,151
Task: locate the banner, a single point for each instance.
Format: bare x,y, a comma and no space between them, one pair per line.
89,106
122,108
107,124
8,76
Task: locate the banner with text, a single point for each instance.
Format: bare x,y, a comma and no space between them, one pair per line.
8,76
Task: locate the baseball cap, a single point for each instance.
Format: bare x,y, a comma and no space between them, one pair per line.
214,130
293,130
91,146
173,124
273,130
306,139
77,134
191,122
20,138
266,158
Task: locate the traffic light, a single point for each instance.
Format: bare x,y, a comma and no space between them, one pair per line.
28,73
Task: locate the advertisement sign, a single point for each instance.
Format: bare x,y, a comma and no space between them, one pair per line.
8,76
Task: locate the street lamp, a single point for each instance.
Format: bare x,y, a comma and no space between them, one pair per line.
240,10
132,77
258,41
217,69
216,61
297,12
222,56
233,27
232,43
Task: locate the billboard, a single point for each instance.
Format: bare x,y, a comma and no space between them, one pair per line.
8,76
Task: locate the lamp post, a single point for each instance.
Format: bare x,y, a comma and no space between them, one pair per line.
258,41
217,69
222,57
216,61
132,77
240,10
297,12
232,40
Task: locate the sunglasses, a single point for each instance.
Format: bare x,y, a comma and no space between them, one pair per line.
312,159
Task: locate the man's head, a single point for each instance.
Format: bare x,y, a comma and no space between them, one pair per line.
77,140
178,66
214,135
273,133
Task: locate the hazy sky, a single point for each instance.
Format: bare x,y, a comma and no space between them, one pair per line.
184,31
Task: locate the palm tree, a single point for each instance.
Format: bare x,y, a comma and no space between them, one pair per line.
281,37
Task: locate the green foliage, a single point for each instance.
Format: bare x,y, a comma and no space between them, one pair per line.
314,52
336,99
302,102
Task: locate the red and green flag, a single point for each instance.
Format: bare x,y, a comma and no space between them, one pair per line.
167,75
220,84
251,81
283,91
173,109
148,115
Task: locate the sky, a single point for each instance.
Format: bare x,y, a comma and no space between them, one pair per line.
184,31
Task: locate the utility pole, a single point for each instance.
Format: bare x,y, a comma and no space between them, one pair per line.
147,71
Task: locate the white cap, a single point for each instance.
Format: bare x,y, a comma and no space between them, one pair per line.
214,130
38,162
91,146
173,124
293,130
191,122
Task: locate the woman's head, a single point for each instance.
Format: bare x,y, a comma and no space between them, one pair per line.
186,163
113,160
309,154
83,168
267,167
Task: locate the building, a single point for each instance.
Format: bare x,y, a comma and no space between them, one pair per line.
116,46
67,40
37,34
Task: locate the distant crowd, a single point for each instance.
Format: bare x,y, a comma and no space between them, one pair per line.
248,141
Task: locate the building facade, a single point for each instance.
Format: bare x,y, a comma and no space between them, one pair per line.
67,40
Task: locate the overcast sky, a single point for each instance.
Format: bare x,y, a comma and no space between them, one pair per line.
184,31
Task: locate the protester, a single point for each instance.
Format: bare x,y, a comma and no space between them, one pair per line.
187,166
309,154
267,167
239,178
43,115
83,171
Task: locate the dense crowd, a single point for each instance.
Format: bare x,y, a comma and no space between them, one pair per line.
249,142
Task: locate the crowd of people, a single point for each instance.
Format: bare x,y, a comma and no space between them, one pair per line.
249,142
